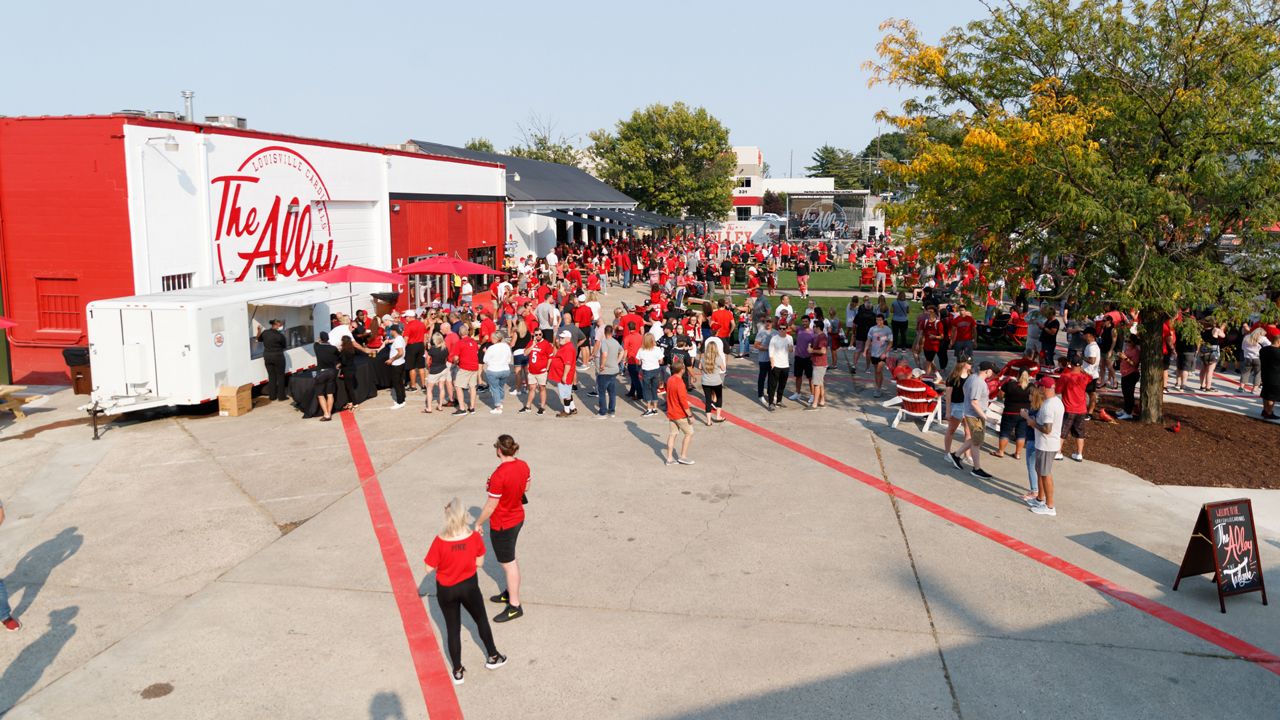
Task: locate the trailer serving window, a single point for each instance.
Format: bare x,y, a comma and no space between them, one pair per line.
299,328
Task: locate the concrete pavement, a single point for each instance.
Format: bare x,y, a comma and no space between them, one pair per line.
161,572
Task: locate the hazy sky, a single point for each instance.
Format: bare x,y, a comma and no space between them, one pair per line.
784,76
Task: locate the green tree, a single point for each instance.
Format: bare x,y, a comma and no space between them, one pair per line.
674,159
1117,137
890,146
539,140
774,203
833,162
481,144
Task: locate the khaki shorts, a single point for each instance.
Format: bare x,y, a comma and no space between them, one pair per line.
440,377
540,379
977,428
465,379
683,425
819,374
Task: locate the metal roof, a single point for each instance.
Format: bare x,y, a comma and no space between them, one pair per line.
540,182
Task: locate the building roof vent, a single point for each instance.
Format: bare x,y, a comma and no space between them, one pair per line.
231,121
163,115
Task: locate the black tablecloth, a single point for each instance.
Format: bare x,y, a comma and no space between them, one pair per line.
302,388
381,370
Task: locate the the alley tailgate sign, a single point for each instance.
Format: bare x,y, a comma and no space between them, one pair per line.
272,211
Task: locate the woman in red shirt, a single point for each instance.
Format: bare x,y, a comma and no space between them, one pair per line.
505,512
454,555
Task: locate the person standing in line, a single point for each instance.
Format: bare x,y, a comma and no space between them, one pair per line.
438,374
609,359
396,361
1130,365
977,397
962,333
819,355
1072,391
274,343
650,357
1269,362
454,556
879,345
1047,427
632,341
1016,394
1250,352
6,611
713,370
900,311
497,368
415,352
505,512
540,353
327,360
1036,400
563,371
347,360
764,334
465,356
1047,327
803,364
1092,356
802,275
955,409
780,347
679,414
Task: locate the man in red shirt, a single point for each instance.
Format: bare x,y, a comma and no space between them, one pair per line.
540,353
882,275
1072,387
466,356
962,330
563,370
722,321
932,331
415,353
678,413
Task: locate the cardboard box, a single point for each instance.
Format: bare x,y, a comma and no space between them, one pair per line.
235,401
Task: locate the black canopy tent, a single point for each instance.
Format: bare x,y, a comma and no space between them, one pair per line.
560,215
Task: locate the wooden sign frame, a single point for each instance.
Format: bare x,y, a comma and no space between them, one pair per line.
1201,556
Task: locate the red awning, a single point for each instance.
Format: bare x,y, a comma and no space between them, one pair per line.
747,200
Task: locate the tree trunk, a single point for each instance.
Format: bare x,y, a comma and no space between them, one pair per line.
1151,396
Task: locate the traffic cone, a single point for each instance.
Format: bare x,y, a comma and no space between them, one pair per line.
1105,417
1176,427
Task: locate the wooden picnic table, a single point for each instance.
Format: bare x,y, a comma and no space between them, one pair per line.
10,399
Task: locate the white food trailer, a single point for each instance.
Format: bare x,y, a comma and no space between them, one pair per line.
180,347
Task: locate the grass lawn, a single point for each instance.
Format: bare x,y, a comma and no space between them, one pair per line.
833,307
839,279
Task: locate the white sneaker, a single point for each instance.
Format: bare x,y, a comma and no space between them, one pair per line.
1077,457
1058,457
1041,509
794,396
496,411
1122,415
396,406
763,401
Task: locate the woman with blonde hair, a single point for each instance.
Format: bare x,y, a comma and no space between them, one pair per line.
1035,400
713,369
454,556
1251,354
650,357
955,406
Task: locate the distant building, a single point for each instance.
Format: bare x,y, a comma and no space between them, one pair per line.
750,184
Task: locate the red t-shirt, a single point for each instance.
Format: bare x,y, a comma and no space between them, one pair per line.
565,358
507,485
531,322
539,354
631,324
487,328
414,331
722,322
677,398
1071,387
933,330
819,343
583,317
631,345
455,561
882,266
964,326
466,352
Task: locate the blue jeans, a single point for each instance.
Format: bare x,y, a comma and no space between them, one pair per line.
649,384
744,336
6,612
497,385
626,278
633,372
607,385
1030,450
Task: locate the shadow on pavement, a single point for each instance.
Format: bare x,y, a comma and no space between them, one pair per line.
654,441
28,667
386,706
32,571
1138,559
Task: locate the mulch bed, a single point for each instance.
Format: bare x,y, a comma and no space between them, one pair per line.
1211,448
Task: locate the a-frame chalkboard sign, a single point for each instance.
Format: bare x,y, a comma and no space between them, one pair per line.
1225,543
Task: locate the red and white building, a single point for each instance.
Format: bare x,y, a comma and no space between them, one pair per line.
95,207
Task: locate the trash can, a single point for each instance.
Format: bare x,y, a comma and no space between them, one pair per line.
77,359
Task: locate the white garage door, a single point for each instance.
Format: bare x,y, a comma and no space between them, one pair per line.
355,233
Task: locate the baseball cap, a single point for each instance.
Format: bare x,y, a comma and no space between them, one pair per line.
1046,382
566,334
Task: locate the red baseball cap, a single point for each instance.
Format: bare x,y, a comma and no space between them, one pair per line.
1047,383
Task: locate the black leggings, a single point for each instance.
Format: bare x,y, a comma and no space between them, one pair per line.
899,333
714,395
452,598
1127,385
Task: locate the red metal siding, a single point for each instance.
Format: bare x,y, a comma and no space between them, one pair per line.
64,234
437,226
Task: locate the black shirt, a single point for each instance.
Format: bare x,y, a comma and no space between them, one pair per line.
1050,332
273,342
1270,358
438,356
326,356
802,268
1016,397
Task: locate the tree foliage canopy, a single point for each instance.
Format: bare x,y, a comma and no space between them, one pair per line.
674,160
1119,136
480,144
833,162
539,140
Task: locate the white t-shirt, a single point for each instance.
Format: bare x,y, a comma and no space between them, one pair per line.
466,289
1051,413
650,358
397,346
552,259
497,357
336,335
1092,352
784,310
595,309
780,346
879,338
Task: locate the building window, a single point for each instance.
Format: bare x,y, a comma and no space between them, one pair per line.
484,256
744,182
744,212
57,304
266,272
181,281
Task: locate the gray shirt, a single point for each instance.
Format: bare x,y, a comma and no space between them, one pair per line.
610,351
763,337
546,314
975,388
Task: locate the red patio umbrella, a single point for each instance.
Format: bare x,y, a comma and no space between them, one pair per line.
7,323
354,274
441,265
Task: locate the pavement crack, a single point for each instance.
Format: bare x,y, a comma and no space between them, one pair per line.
667,561
222,469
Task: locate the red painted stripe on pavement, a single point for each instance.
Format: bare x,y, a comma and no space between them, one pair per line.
428,661
1202,630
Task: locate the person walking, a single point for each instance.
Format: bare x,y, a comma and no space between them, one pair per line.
465,356
609,358
900,312
955,409
713,370
438,374
327,360
780,347
540,353
650,357
497,368
1016,394
1072,391
454,556
879,345
6,611
397,362
679,414
1029,435
505,512
1047,426
977,397
274,343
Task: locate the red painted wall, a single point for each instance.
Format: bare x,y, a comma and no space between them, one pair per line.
436,226
64,234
